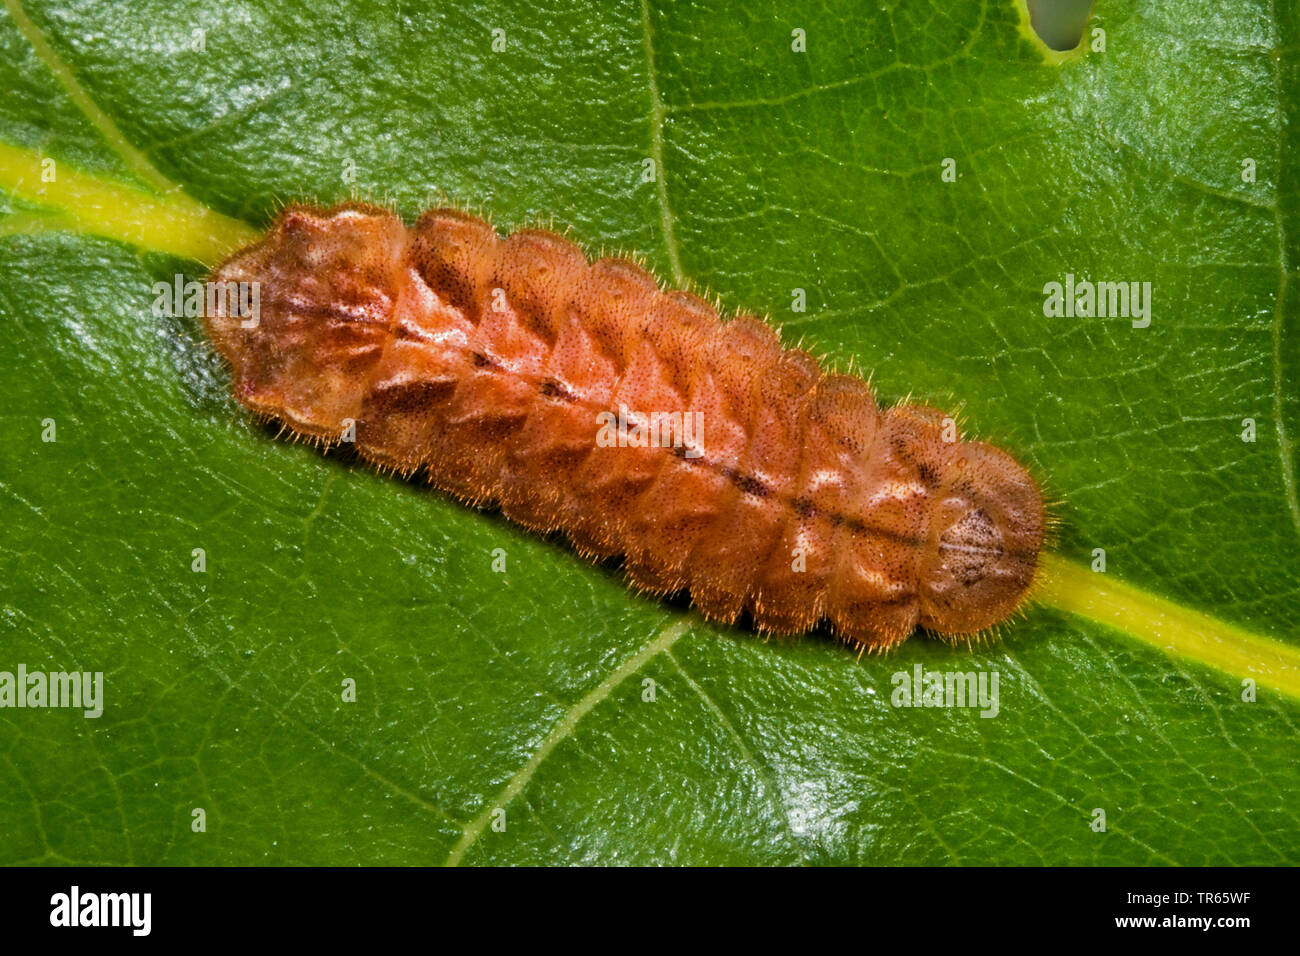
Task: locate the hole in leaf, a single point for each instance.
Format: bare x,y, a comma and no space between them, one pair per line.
1059,23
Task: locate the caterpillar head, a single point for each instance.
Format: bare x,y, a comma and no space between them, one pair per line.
985,532
326,284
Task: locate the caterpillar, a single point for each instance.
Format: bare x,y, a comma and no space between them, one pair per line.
514,372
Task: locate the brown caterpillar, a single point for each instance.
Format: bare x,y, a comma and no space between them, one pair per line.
490,364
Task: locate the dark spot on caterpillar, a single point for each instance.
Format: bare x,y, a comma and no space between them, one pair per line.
751,486
553,389
746,483
411,396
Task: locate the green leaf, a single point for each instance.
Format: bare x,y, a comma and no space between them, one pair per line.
526,691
